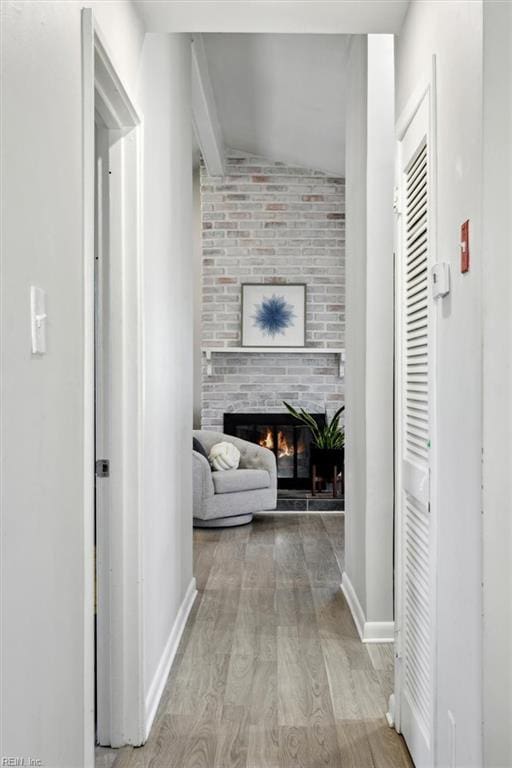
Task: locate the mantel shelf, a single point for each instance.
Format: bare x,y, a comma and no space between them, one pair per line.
209,351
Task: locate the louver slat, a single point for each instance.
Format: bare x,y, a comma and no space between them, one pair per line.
417,629
416,289
417,624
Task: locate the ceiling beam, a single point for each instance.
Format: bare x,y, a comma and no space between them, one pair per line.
341,17
204,112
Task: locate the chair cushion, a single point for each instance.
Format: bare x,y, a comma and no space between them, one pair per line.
199,447
236,480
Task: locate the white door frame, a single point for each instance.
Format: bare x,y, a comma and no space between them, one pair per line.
426,90
119,649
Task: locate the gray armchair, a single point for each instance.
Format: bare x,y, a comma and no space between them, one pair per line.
231,497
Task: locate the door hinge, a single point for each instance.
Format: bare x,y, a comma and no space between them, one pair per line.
103,468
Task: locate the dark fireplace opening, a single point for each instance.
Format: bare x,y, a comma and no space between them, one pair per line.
280,432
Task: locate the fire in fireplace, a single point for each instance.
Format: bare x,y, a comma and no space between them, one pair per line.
285,448
280,433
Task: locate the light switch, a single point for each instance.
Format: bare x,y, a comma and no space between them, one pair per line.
38,319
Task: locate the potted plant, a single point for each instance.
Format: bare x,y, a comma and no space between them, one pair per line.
328,441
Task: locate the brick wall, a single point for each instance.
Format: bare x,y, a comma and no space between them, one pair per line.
271,223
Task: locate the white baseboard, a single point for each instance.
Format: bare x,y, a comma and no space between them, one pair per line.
164,666
379,632
369,631
353,603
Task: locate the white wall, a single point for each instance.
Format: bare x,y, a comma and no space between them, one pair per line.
379,329
198,268
45,709
369,328
123,30
164,95
497,367
42,514
355,323
453,31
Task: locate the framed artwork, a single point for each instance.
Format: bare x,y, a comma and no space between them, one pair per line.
273,315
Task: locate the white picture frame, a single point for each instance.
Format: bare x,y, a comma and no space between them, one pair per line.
273,315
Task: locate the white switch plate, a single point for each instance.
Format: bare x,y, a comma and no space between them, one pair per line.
440,280
38,319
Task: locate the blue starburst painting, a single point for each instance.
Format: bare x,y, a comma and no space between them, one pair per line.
273,316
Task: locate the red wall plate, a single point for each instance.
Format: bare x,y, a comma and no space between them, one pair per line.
464,247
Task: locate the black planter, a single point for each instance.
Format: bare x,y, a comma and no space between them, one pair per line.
326,465
328,458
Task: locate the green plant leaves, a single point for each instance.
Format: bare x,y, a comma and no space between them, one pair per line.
306,418
329,436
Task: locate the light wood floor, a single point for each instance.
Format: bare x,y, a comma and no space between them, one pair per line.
270,672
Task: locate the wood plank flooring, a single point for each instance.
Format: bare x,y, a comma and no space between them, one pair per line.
270,672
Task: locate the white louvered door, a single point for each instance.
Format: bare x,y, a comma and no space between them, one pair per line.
416,608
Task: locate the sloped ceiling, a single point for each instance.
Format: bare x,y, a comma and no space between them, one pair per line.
282,96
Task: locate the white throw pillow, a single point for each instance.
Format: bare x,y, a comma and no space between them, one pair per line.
224,456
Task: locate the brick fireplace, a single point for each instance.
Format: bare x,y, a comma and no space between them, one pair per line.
279,432
272,223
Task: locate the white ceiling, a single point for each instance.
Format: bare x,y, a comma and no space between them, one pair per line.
281,96
277,67
281,16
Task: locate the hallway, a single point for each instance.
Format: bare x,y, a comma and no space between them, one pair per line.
270,672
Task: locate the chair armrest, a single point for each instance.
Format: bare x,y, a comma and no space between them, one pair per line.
202,476
254,456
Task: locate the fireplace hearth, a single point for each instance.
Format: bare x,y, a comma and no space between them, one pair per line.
280,432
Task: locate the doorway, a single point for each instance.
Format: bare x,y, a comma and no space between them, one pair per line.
112,158
102,394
